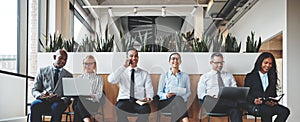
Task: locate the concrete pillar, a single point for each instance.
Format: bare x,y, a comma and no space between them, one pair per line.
291,58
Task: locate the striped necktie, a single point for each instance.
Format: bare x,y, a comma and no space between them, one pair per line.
220,82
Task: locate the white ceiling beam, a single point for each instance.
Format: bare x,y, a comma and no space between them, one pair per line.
144,6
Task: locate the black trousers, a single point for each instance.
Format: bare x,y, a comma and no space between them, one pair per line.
267,112
176,106
125,107
230,107
83,108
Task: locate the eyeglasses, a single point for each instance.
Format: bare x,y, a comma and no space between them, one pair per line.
175,58
88,64
216,63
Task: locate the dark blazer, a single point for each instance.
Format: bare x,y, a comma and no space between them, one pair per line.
44,82
253,81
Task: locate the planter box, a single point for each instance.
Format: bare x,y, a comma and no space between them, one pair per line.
155,62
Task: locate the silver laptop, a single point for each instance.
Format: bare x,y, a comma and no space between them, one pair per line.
234,93
76,87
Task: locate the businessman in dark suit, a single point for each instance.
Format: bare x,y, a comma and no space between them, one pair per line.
262,81
48,90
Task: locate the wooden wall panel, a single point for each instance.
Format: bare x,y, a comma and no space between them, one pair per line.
111,91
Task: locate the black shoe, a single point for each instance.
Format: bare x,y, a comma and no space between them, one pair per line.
156,100
253,109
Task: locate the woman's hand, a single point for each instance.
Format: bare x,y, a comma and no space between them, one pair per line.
146,99
93,96
258,101
169,95
271,103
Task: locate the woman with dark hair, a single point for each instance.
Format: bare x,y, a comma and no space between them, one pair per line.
262,81
174,90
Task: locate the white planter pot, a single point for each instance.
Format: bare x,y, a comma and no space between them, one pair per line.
155,62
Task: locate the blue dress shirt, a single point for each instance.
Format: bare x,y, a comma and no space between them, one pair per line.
169,81
264,80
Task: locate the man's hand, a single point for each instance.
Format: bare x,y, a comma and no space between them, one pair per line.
44,95
49,97
127,63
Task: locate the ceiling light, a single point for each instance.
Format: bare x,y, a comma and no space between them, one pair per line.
163,11
135,10
217,18
194,10
110,11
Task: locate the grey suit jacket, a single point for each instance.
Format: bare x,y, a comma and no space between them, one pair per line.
44,82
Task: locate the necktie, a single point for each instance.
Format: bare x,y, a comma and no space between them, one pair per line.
55,76
132,85
220,81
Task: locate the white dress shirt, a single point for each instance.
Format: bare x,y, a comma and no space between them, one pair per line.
208,83
142,83
96,85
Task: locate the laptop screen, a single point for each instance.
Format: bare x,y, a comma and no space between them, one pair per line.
76,87
234,93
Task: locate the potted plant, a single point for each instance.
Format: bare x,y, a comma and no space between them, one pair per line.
52,43
214,43
181,45
70,45
231,44
104,45
251,44
200,46
164,43
188,37
126,41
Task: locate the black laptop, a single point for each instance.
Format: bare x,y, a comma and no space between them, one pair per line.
234,93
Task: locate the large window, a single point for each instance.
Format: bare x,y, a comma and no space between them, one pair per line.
80,30
82,22
9,34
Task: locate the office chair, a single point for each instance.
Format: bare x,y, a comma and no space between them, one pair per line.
101,113
159,113
211,114
67,113
255,116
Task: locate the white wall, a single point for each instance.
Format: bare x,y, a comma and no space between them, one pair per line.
12,94
155,63
266,18
291,58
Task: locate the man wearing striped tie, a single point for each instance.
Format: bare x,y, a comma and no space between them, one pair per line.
209,87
